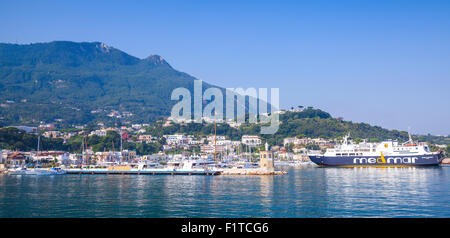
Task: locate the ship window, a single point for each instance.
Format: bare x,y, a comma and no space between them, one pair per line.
338,154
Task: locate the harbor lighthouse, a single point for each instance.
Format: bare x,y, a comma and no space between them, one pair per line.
266,159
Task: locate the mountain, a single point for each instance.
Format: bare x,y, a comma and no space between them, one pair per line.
77,83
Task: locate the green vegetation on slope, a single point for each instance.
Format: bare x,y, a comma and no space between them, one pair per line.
14,139
83,82
309,123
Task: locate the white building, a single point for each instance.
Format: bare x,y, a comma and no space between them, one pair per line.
51,134
61,157
141,131
136,126
210,149
98,133
297,141
217,138
4,156
251,140
176,139
147,138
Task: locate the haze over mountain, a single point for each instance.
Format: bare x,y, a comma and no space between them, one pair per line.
77,83
83,82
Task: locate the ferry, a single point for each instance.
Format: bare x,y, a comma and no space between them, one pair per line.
388,153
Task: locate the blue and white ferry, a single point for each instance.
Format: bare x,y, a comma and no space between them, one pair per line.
389,153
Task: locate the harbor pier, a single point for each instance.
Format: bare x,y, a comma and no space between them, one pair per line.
143,172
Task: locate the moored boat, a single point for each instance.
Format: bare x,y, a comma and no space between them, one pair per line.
445,162
27,171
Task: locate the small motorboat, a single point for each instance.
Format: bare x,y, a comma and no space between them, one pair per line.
57,171
445,162
18,171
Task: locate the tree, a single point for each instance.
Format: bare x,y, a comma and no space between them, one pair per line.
313,147
289,147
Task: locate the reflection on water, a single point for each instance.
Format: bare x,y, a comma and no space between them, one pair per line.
303,192
389,192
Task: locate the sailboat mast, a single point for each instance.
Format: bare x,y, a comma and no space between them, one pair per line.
82,152
39,140
121,148
85,145
215,134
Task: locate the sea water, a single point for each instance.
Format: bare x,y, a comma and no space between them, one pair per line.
304,192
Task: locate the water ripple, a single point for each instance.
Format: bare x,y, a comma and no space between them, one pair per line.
304,192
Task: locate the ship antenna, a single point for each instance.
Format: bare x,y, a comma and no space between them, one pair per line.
346,138
409,135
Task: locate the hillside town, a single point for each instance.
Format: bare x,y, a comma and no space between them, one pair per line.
103,146
173,146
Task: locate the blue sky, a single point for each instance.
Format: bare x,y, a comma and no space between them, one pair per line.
382,62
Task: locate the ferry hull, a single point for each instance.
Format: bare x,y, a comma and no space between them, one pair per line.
372,161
